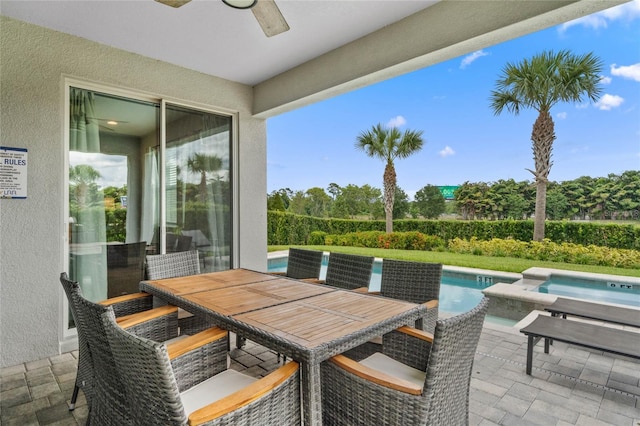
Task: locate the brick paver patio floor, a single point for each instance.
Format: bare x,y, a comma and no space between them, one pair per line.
569,386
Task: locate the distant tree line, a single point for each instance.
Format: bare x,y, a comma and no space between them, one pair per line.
615,197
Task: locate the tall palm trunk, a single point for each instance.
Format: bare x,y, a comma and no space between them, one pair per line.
389,181
543,135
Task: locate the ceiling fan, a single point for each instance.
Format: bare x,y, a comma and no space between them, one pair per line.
266,12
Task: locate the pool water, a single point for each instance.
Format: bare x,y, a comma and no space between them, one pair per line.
610,292
457,293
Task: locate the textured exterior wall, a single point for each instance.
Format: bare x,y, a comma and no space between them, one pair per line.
35,62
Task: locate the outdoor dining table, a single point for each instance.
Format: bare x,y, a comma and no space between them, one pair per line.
307,322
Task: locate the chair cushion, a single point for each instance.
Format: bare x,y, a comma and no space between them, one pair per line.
213,389
390,366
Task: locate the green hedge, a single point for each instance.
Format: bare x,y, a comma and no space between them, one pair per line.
287,229
411,240
547,250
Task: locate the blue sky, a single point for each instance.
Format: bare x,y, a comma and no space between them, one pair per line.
464,141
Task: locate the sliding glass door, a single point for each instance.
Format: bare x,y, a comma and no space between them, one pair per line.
197,180
135,190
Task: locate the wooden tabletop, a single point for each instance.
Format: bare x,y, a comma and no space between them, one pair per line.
324,318
249,297
308,322
181,286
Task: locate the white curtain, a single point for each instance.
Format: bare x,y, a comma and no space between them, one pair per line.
88,254
84,132
150,199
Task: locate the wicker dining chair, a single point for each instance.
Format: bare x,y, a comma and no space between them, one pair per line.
135,310
302,263
173,265
416,282
420,379
226,397
348,271
110,404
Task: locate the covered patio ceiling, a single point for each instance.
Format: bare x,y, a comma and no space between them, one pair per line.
333,46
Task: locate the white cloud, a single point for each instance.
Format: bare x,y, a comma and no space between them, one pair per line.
605,80
607,102
447,151
629,71
583,105
561,115
398,121
628,11
467,60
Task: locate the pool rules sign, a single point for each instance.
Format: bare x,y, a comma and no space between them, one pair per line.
13,172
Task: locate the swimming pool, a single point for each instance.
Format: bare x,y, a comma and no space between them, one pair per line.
459,292
610,291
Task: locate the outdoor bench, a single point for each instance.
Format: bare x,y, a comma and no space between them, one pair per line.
595,311
599,337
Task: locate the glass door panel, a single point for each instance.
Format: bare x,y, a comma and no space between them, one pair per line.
113,191
197,181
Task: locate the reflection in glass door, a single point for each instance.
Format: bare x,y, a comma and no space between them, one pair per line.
116,156
197,180
112,199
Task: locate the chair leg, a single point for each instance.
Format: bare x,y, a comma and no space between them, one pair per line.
240,341
74,397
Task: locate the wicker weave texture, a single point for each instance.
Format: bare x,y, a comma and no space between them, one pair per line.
84,376
416,282
171,265
349,271
109,406
132,306
303,263
108,402
149,378
350,400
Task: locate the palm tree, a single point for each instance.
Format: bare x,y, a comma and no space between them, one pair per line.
84,177
540,83
203,164
389,144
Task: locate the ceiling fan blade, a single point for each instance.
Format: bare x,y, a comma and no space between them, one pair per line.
269,17
174,3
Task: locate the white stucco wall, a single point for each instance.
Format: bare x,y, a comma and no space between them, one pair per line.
34,62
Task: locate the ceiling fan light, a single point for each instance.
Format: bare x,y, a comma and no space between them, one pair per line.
240,4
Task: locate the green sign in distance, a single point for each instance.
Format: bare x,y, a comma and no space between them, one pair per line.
447,191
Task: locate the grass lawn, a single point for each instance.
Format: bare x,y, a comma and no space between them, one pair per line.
506,264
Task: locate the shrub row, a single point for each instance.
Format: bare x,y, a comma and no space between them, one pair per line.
545,250
286,228
379,239
548,250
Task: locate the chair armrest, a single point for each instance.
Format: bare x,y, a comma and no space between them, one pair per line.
132,320
244,396
363,290
281,274
431,304
375,376
129,303
124,298
414,332
190,343
312,280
